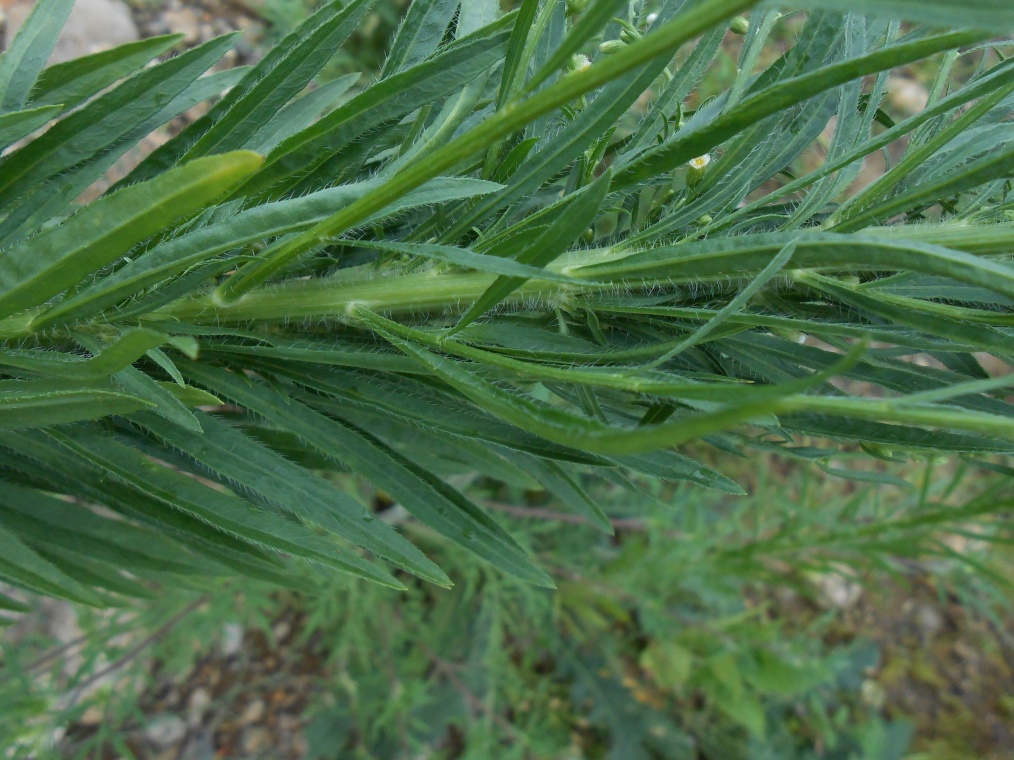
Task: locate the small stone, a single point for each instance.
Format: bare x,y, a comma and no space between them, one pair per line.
232,639
255,740
839,591
197,705
281,630
907,95
165,731
929,620
183,21
300,746
91,717
253,712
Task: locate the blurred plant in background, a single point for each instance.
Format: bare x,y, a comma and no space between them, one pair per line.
767,626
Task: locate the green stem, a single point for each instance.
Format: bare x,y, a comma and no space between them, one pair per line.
438,291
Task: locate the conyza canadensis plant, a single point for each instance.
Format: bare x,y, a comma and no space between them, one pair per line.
528,247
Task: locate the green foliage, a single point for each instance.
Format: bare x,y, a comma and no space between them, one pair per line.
491,248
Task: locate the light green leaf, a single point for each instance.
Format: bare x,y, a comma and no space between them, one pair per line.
60,257
28,53
70,84
19,124
274,81
707,134
40,403
272,219
103,122
123,352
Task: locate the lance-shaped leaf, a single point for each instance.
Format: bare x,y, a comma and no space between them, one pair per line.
14,126
40,403
123,352
385,101
70,84
104,121
35,41
81,529
24,567
427,497
998,164
750,253
997,16
419,34
224,511
255,468
60,257
274,81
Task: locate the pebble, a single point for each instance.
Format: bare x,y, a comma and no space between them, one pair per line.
232,639
929,620
165,731
253,712
184,21
839,591
92,716
907,95
197,705
93,26
281,630
255,740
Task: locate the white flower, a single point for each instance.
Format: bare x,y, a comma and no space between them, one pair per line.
651,18
580,62
700,162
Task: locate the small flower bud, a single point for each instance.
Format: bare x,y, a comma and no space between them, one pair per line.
651,19
697,167
578,62
612,46
576,6
704,219
739,25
